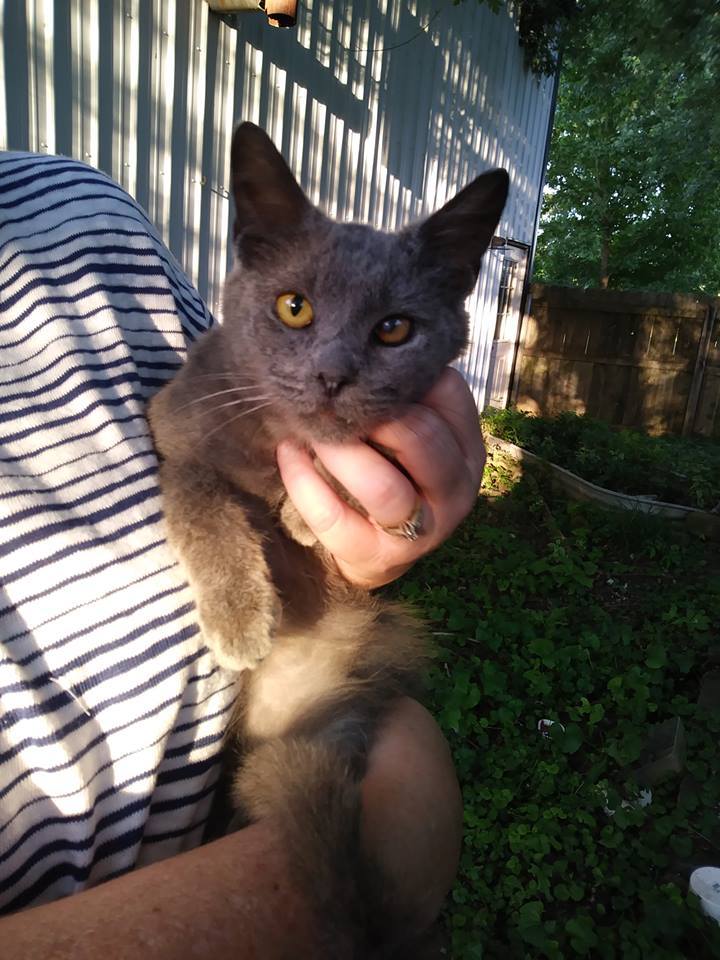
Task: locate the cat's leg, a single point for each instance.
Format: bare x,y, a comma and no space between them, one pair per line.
314,798
295,525
222,555
304,787
309,719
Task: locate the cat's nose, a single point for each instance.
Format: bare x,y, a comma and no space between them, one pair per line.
332,383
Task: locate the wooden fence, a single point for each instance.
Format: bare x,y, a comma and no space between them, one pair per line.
645,360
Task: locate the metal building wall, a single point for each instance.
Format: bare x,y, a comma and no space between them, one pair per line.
383,109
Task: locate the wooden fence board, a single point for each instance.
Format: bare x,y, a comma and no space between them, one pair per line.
610,385
707,418
627,357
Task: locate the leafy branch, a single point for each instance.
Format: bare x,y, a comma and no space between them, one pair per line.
541,28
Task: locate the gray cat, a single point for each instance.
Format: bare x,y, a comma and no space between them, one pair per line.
328,330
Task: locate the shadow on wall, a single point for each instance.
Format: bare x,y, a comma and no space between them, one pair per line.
383,109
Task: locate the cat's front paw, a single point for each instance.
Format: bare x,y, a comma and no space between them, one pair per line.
295,525
239,638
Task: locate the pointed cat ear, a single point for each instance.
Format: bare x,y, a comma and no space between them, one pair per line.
267,196
458,234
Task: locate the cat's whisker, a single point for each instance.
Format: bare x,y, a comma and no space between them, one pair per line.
222,376
217,393
235,403
243,413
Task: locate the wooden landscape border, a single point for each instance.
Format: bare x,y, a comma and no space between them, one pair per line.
698,522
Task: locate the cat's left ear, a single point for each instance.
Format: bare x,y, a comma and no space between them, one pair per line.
458,234
267,197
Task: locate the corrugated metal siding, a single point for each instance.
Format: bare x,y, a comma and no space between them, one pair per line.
383,109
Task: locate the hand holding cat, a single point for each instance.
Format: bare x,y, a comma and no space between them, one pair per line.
439,444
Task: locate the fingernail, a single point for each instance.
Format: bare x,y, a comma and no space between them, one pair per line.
286,450
290,451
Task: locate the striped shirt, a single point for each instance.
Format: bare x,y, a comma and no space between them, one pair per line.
112,711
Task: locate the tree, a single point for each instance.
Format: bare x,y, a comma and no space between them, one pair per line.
541,28
633,189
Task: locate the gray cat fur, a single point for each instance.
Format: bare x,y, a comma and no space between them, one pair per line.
270,601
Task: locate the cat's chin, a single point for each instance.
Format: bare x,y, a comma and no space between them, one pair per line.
324,423
330,430
324,427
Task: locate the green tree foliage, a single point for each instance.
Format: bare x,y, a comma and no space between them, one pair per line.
633,197
541,28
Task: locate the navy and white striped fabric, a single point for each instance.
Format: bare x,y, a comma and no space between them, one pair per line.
112,711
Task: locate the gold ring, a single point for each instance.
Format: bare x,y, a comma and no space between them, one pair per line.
411,528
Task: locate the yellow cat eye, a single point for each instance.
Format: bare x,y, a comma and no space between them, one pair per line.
294,310
392,331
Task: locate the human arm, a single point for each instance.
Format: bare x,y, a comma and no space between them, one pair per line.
439,444
222,900
234,899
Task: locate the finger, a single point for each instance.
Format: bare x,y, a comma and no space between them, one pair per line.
387,495
427,448
454,403
332,521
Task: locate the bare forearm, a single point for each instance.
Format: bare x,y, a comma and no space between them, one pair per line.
233,899
229,899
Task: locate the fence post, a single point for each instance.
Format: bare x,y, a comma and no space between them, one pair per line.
525,308
699,371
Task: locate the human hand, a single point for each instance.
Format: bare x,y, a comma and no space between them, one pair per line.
439,444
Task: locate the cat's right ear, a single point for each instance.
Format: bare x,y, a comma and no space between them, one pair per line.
458,234
268,199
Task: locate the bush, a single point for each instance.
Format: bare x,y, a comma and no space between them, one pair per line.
549,609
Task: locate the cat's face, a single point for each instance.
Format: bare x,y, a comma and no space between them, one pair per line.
370,334
341,326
